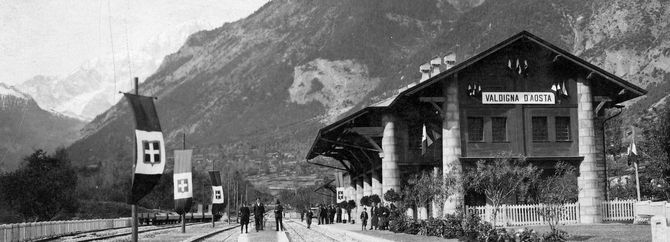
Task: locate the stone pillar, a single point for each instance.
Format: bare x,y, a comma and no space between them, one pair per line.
451,144
359,195
351,195
591,170
394,144
377,183
367,185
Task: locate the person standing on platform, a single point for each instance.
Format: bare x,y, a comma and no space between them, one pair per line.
374,221
333,211
338,214
279,213
309,218
364,219
302,214
323,214
245,213
259,211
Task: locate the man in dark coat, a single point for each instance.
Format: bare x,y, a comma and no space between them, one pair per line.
333,211
323,214
309,218
279,213
244,213
259,211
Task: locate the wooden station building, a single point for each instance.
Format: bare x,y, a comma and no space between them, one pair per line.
523,96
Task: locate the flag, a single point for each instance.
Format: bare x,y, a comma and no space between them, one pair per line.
426,139
217,192
340,194
564,91
149,147
183,181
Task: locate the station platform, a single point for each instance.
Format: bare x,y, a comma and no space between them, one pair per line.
353,232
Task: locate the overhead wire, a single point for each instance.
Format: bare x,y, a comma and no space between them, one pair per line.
125,20
111,39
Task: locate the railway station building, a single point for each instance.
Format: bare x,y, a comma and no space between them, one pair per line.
523,96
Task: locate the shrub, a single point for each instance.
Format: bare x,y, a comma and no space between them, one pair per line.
375,199
365,201
392,196
555,235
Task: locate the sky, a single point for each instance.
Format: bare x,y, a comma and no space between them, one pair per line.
55,37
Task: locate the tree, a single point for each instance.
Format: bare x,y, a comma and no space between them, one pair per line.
425,187
554,192
351,204
500,178
365,201
375,199
392,196
43,188
654,149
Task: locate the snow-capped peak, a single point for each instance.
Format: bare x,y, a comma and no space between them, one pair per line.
6,90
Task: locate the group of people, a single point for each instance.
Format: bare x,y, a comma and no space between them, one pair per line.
259,216
379,217
329,214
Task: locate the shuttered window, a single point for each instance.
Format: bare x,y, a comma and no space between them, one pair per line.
540,132
475,129
562,128
499,129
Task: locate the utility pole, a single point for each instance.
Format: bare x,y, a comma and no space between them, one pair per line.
183,214
228,197
133,207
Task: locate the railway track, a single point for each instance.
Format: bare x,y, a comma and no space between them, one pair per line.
214,233
165,227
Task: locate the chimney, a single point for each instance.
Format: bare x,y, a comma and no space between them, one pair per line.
435,66
425,71
449,61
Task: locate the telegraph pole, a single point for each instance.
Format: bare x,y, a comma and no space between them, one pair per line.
133,207
183,214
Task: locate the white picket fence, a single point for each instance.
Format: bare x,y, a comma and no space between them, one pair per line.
528,214
619,210
43,230
523,215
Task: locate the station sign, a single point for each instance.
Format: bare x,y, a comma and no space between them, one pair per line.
518,98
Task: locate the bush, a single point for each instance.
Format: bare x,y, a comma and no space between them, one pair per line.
555,235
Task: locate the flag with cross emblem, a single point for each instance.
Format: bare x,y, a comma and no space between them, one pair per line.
217,192
149,147
183,181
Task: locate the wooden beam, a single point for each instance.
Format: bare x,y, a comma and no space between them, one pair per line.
602,98
348,145
432,99
368,131
374,144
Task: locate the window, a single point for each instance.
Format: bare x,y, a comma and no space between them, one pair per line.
475,129
562,128
540,129
499,129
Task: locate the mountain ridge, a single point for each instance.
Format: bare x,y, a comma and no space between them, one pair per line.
266,83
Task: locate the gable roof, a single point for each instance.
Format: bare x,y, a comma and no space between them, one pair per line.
635,90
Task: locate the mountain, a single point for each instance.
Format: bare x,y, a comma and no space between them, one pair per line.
24,127
93,87
255,91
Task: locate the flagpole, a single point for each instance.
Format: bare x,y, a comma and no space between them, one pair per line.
183,214
228,197
637,175
133,207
